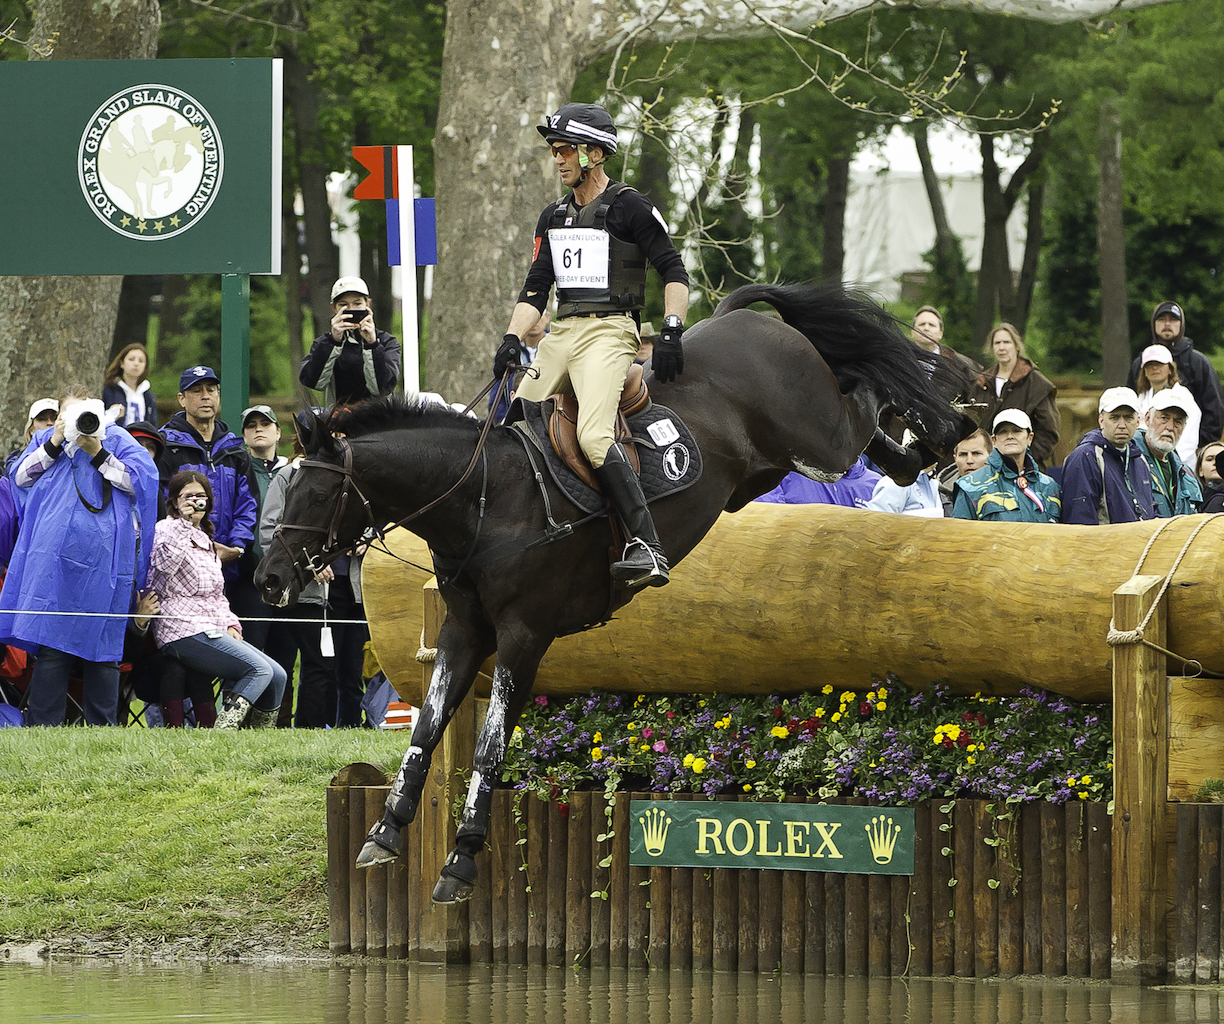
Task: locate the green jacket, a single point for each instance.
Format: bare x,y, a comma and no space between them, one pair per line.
994,493
1186,497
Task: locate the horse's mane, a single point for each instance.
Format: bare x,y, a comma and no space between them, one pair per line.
410,412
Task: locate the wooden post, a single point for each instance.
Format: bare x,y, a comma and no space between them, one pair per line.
1186,906
1140,788
918,933
376,878
1078,938
1053,891
337,869
985,899
962,892
1099,836
601,909
1207,968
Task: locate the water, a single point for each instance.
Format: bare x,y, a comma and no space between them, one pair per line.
399,993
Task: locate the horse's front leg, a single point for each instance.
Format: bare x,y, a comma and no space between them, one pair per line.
461,651
511,689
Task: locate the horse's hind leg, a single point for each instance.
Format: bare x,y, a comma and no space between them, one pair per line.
510,692
459,657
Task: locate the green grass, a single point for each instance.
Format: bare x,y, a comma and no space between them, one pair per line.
170,835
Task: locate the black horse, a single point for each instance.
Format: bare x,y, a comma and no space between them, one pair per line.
762,397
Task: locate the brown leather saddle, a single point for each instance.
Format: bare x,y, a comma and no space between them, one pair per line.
563,427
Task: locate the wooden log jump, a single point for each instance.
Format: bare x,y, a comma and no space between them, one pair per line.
783,594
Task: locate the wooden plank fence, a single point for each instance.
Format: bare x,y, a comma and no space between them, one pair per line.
1049,890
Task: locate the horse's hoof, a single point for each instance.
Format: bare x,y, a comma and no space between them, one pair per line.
458,879
372,854
383,844
452,890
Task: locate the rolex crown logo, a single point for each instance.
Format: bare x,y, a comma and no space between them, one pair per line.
882,834
655,824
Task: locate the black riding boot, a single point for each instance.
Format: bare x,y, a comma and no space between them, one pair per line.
644,563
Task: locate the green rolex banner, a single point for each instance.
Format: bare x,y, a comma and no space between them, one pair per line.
141,166
788,837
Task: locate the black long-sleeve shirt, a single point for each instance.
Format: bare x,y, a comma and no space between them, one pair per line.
349,371
631,218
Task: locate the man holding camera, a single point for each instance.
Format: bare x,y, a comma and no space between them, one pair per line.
354,360
90,506
196,439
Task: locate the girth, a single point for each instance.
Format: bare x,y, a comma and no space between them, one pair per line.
563,427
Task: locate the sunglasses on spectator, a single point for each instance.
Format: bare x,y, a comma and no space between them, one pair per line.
564,149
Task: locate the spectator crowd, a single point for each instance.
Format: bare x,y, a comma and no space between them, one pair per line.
130,547
130,551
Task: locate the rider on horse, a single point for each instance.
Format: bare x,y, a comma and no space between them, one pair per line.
593,245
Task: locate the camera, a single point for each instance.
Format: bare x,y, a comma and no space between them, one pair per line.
200,504
355,316
86,418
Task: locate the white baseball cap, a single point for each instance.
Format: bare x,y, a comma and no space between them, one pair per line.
1017,416
44,405
1118,398
1156,354
1170,398
349,284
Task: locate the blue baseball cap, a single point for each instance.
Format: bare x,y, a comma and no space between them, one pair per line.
195,375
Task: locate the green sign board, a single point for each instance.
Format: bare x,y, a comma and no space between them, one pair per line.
788,837
141,166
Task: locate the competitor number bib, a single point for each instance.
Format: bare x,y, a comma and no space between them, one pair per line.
580,257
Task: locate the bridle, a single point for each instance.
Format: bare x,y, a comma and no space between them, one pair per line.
332,549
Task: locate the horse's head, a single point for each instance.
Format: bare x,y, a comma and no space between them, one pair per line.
325,515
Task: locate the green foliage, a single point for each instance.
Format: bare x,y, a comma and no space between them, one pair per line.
200,342
164,834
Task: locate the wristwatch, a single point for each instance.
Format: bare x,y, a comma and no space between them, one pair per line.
672,321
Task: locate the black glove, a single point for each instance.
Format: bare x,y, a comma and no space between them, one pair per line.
510,353
668,359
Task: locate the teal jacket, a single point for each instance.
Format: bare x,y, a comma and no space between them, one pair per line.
993,493
1187,496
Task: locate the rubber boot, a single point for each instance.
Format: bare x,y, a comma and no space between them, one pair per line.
643,563
263,719
234,712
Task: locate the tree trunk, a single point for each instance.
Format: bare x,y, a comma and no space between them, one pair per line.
994,272
500,76
945,239
833,255
322,256
132,321
58,330
291,278
1111,250
1034,234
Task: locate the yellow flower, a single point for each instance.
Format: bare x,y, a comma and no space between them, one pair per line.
779,732
749,764
1071,781
835,717
881,692
872,765
644,746
826,689
1086,780
971,760
699,765
747,788
818,713
871,694
688,760
701,703
518,728
847,696
881,705
971,748
598,737
1083,796
596,754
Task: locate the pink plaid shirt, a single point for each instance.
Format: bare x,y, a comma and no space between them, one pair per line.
186,573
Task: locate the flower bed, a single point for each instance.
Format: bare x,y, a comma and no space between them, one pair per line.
889,743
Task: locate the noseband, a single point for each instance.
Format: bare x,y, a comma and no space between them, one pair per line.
331,546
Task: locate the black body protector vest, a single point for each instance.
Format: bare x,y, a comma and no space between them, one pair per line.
594,271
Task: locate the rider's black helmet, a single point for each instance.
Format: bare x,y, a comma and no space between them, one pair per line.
585,124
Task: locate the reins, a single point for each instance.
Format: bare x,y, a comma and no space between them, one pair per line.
331,552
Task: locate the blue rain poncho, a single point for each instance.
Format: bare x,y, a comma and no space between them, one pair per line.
69,559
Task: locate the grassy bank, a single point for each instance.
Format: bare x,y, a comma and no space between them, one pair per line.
203,840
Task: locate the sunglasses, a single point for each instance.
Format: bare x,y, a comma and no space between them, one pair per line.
564,149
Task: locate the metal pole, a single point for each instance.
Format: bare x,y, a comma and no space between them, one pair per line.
235,347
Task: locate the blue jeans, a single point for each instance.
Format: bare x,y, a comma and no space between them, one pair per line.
247,672
49,689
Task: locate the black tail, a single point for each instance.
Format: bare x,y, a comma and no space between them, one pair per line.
864,346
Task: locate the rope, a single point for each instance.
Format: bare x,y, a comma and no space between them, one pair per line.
424,654
185,618
1119,637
